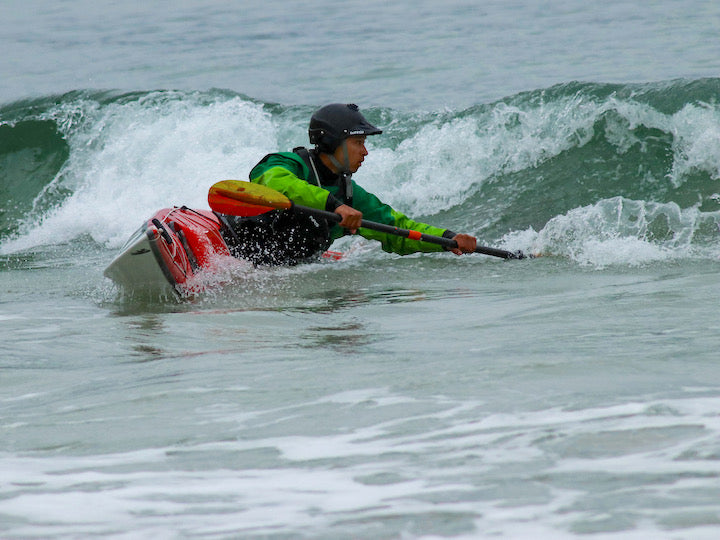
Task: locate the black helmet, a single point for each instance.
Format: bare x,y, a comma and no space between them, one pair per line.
333,123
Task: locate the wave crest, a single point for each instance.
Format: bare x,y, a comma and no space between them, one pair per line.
562,160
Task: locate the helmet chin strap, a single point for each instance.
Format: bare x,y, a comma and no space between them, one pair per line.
344,170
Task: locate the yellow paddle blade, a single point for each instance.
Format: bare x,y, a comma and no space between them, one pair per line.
238,198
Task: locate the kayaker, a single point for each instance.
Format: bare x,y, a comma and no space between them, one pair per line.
322,178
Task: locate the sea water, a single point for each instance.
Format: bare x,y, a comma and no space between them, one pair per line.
429,396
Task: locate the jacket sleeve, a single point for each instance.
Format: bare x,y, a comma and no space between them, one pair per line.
375,210
285,173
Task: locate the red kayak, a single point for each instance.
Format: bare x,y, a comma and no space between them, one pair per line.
168,251
174,253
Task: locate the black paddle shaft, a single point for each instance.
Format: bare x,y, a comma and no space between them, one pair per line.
406,233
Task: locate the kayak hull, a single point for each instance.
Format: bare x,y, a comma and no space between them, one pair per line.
168,252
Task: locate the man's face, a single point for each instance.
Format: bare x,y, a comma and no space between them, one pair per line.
356,152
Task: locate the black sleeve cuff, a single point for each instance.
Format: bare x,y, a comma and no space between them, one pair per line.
332,203
448,234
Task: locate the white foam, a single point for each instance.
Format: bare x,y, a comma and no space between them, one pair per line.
697,132
447,161
130,159
618,231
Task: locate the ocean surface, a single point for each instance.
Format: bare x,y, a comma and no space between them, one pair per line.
573,395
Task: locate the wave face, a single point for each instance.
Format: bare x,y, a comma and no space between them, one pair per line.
600,173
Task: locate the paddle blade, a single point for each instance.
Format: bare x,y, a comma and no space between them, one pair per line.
237,198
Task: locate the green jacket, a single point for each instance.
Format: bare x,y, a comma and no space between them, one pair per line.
287,173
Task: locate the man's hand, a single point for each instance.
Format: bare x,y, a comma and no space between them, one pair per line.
351,218
466,244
